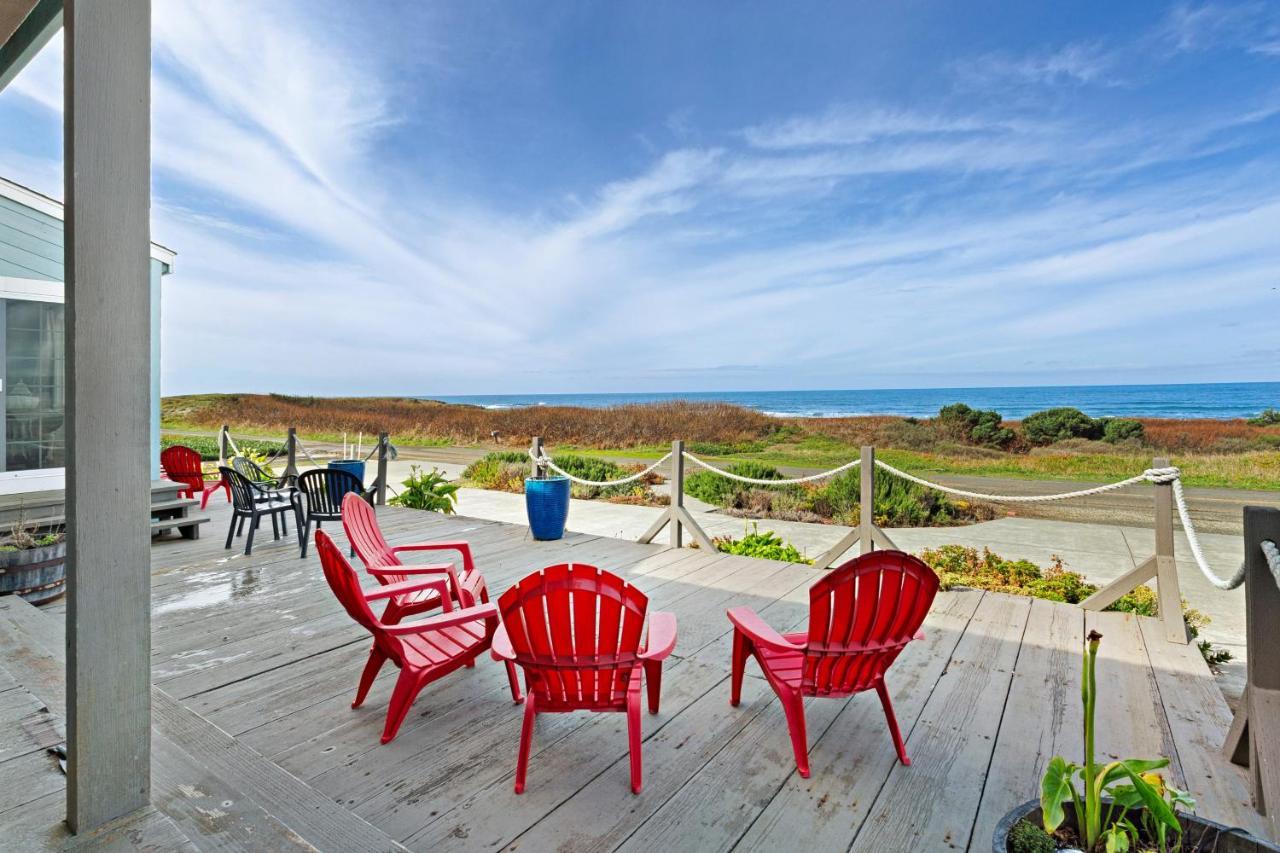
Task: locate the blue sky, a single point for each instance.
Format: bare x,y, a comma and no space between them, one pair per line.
477,197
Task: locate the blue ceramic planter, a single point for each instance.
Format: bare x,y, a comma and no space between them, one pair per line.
547,502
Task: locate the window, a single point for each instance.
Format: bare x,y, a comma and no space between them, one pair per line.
33,389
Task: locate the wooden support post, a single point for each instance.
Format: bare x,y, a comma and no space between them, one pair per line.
224,445
676,514
1254,739
291,456
535,451
866,535
384,448
1161,566
1167,589
677,491
107,170
866,500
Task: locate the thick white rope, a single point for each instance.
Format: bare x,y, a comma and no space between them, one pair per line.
1193,542
298,445
231,442
546,460
1151,475
759,482
1272,554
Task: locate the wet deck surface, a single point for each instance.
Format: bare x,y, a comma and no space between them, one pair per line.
258,647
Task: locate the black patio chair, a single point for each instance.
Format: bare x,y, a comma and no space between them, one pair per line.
322,491
250,503
254,473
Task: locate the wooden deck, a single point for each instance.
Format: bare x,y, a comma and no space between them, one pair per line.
254,667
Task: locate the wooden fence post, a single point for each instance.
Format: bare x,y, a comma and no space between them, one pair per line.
535,450
291,448
384,440
866,534
866,501
1161,566
224,442
675,514
1254,739
677,491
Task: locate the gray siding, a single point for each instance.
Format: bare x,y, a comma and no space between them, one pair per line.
30,243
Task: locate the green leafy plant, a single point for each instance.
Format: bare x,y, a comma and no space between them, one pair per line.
207,446
710,487
1267,417
765,546
429,490
1026,837
1060,424
1105,795
974,426
1116,430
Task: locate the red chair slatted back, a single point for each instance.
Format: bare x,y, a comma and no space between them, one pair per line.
861,615
576,631
360,522
183,465
345,584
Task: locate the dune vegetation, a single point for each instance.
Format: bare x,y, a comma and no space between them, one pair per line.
1056,444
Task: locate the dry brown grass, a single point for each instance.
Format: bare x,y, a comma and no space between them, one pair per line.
619,426
1199,436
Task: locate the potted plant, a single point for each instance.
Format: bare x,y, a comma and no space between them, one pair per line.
33,561
1116,807
546,500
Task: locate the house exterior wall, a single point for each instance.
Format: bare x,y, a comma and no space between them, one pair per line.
31,250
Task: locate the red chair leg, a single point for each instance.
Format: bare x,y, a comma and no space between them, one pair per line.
883,692
633,740
793,707
371,669
402,697
653,680
514,681
526,742
741,651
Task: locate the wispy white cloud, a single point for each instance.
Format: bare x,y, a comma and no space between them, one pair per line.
1074,64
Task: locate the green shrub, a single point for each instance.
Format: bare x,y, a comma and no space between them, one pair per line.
208,447
895,502
503,471
974,426
959,565
710,487
765,546
429,490
591,468
506,470
1267,417
1116,430
1057,424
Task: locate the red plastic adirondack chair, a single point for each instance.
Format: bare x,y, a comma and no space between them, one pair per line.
861,617
382,560
183,465
576,632
425,650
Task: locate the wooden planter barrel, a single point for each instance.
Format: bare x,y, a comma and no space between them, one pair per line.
37,574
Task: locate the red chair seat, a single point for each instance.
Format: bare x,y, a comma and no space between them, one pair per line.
442,647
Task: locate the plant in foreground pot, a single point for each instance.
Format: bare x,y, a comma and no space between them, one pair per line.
1106,797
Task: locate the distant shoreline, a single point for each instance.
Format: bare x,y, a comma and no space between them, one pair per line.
1202,401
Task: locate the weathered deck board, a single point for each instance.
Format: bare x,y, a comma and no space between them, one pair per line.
258,647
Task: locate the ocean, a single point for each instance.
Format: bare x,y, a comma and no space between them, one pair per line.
1217,400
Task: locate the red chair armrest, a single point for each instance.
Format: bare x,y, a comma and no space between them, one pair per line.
760,632
919,635
426,569
462,548
445,620
501,649
662,636
441,585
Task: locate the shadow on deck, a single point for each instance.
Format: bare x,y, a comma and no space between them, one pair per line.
255,664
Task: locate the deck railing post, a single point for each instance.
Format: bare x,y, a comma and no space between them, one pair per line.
224,444
1161,565
535,451
384,442
291,450
1167,589
1254,739
676,514
677,491
866,534
866,500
